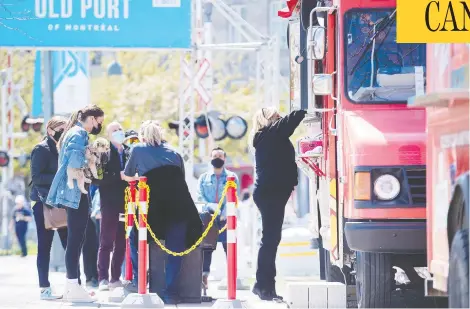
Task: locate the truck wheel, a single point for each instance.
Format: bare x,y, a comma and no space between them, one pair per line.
458,271
374,280
333,273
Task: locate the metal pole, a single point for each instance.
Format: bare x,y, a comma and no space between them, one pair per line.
10,112
276,73
4,98
208,78
304,89
258,78
48,96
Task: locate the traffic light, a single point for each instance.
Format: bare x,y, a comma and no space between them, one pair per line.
4,159
34,123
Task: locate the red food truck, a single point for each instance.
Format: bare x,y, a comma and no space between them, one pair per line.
447,104
365,153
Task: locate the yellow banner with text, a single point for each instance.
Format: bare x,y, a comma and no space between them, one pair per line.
433,21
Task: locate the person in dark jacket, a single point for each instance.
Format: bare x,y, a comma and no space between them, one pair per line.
276,177
112,187
21,218
44,159
173,216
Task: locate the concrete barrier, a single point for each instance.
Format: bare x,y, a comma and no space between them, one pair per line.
319,294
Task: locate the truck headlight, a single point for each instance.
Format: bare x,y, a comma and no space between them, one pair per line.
386,187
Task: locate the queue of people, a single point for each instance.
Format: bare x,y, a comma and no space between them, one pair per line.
172,215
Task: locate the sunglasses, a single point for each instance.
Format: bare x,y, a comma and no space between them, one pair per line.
133,140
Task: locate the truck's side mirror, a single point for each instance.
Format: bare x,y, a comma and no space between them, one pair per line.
317,42
322,84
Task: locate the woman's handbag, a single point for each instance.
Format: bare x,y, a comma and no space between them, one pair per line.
54,218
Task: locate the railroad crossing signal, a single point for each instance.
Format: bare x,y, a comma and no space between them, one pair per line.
203,68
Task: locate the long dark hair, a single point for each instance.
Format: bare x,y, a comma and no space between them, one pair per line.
80,115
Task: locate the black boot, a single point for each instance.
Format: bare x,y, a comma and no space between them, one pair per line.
265,294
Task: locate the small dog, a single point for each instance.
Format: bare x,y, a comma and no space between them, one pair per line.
95,155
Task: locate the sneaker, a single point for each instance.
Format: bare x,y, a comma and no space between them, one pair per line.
46,294
93,283
75,293
131,287
115,284
104,285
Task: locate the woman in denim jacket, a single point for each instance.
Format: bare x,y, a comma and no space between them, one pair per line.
72,147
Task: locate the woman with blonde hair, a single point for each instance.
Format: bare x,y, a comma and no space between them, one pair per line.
44,158
276,177
172,213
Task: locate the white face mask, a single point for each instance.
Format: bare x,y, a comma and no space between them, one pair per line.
118,136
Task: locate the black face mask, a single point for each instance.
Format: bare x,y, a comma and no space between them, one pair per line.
57,135
217,162
96,130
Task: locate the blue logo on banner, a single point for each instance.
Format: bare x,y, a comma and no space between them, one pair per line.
68,64
95,24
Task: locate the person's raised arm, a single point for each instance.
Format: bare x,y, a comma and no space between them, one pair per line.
287,124
131,167
39,165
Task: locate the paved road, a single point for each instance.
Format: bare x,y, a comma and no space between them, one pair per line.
18,289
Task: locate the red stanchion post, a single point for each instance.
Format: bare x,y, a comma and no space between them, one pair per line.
231,241
130,224
142,288
142,299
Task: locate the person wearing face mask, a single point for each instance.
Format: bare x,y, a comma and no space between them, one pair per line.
210,187
72,146
44,158
111,190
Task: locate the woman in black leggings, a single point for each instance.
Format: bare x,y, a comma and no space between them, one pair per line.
44,159
276,177
72,146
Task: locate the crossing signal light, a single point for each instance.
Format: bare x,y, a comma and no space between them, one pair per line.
31,123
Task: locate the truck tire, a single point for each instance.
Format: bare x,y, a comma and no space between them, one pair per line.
458,271
333,273
374,280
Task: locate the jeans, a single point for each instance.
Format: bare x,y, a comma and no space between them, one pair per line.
112,241
21,228
77,221
90,252
134,254
272,208
207,259
45,238
175,240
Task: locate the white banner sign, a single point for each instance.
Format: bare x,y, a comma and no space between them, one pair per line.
71,81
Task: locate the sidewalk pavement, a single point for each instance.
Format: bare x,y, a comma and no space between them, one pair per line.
19,290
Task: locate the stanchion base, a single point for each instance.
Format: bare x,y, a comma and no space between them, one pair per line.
118,295
240,285
228,304
150,300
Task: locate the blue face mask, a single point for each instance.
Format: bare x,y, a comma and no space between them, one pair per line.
118,136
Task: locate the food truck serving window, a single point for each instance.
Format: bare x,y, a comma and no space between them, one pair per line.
396,71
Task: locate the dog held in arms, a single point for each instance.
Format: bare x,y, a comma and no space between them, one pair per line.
95,156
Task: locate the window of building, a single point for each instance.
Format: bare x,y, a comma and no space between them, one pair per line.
234,35
278,25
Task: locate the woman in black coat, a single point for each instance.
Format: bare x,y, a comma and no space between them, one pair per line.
172,214
276,177
44,160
